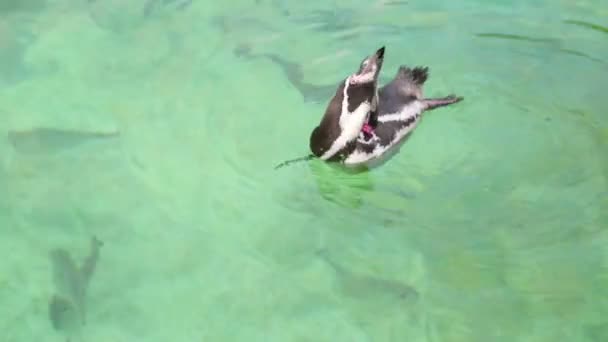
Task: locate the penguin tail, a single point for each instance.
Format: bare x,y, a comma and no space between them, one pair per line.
417,75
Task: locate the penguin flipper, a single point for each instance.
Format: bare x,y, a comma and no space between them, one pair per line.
431,104
373,118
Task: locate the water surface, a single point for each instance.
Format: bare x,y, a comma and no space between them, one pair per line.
489,225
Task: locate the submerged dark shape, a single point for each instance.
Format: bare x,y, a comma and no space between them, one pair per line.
62,313
346,22
310,92
550,42
40,140
516,37
582,54
362,286
596,27
71,284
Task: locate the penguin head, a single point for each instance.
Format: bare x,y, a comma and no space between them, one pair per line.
369,69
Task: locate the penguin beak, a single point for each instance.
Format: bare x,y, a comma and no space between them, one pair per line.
380,53
369,69
374,63
379,57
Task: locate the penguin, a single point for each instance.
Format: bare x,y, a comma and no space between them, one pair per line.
363,126
354,102
401,105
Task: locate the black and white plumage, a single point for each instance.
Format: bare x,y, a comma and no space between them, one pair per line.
349,109
363,125
400,109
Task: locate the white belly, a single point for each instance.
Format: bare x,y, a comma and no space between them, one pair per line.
350,125
360,157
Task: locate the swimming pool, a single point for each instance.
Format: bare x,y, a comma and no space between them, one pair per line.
155,126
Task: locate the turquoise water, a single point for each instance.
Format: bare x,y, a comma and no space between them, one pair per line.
155,126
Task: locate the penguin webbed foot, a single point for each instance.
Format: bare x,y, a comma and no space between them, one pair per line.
417,75
441,101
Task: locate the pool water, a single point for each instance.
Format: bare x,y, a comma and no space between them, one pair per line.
155,125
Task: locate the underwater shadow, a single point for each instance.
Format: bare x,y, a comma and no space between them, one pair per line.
345,185
293,71
551,43
595,27
45,140
68,304
310,92
337,184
